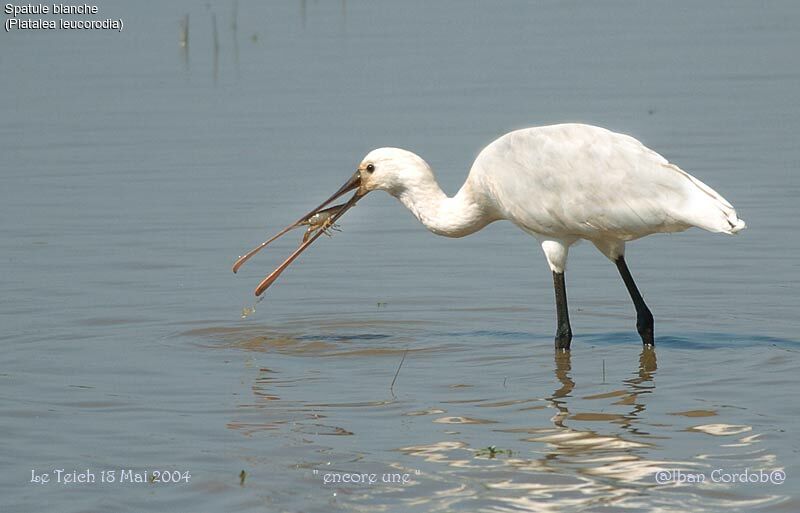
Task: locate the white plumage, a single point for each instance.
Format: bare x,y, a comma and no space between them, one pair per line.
559,183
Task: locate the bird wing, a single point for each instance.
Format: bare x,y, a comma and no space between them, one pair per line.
588,182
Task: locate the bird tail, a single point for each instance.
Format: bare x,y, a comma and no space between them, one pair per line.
707,209
722,221
738,226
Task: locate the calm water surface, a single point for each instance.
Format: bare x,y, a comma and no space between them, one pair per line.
135,171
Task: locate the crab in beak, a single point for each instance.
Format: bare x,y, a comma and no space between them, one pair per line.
318,222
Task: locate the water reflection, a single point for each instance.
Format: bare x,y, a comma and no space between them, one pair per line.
616,454
634,388
577,467
563,466
215,47
235,36
584,444
183,41
563,368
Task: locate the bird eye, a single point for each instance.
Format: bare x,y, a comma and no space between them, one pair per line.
370,168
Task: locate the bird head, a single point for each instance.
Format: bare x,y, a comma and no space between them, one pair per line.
389,169
392,170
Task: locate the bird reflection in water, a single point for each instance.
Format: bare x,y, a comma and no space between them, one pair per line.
634,387
610,455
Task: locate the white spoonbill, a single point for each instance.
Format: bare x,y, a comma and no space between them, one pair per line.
559,183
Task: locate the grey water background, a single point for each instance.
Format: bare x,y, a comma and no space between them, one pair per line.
134,171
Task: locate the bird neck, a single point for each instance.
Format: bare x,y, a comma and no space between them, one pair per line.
458,216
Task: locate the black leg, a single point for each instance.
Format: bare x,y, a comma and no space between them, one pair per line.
564,332
644,319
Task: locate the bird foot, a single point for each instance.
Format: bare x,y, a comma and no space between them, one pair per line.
563,341
648,339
